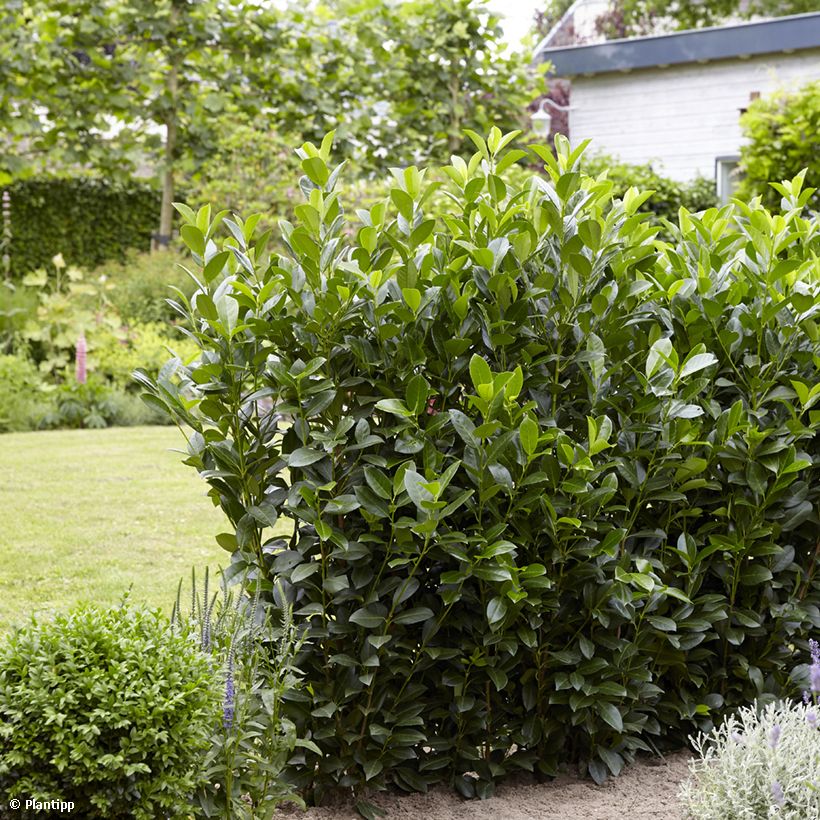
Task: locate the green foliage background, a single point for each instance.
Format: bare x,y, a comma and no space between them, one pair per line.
783,138
631,18
669,195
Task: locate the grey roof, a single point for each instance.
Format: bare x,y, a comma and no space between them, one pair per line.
798,31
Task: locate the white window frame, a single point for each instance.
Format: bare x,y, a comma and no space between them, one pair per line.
726,176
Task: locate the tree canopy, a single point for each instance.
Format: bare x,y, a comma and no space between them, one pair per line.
121,86
633,18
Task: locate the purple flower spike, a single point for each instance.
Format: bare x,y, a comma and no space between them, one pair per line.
774,736
814,648
811,718
814,677
777,794
230,697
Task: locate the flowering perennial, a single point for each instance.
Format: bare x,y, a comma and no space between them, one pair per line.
761,763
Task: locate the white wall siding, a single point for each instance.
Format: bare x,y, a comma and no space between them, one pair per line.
682,117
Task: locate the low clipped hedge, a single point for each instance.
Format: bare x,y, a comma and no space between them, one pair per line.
552,483
87,220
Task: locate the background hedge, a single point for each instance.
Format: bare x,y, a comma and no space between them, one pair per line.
88,221
669,194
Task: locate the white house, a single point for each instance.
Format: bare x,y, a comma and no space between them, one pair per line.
675,100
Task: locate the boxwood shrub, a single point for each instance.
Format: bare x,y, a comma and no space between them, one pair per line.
549,485
108,709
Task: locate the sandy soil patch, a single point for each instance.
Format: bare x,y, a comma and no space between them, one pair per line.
646,791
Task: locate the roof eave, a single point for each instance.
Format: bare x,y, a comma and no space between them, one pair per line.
794,33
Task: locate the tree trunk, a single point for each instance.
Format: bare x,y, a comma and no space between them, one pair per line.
166,213
455,138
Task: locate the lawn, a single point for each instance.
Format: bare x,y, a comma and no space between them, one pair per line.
88,513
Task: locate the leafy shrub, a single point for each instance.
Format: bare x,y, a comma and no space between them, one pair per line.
670,195
77,405
782,138
69,307
253,740
87,220
17,307
93,404
117,356
551,483
140,285
22,401
108,709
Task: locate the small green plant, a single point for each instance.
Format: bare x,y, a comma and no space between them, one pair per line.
253,740
115,356
763,762
70,306
110,709
18,305
77,405
22,398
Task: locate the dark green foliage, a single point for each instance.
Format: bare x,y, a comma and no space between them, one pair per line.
670,195
86,220
108,709
552,482
782,138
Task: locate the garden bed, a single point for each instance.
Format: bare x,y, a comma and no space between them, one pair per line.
646,791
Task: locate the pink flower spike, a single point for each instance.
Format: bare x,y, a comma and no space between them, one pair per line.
80,360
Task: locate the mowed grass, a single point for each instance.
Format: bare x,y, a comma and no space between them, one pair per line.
88,513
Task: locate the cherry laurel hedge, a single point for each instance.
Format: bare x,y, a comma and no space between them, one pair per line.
540,487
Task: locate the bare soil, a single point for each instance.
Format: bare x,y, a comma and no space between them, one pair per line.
645,791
